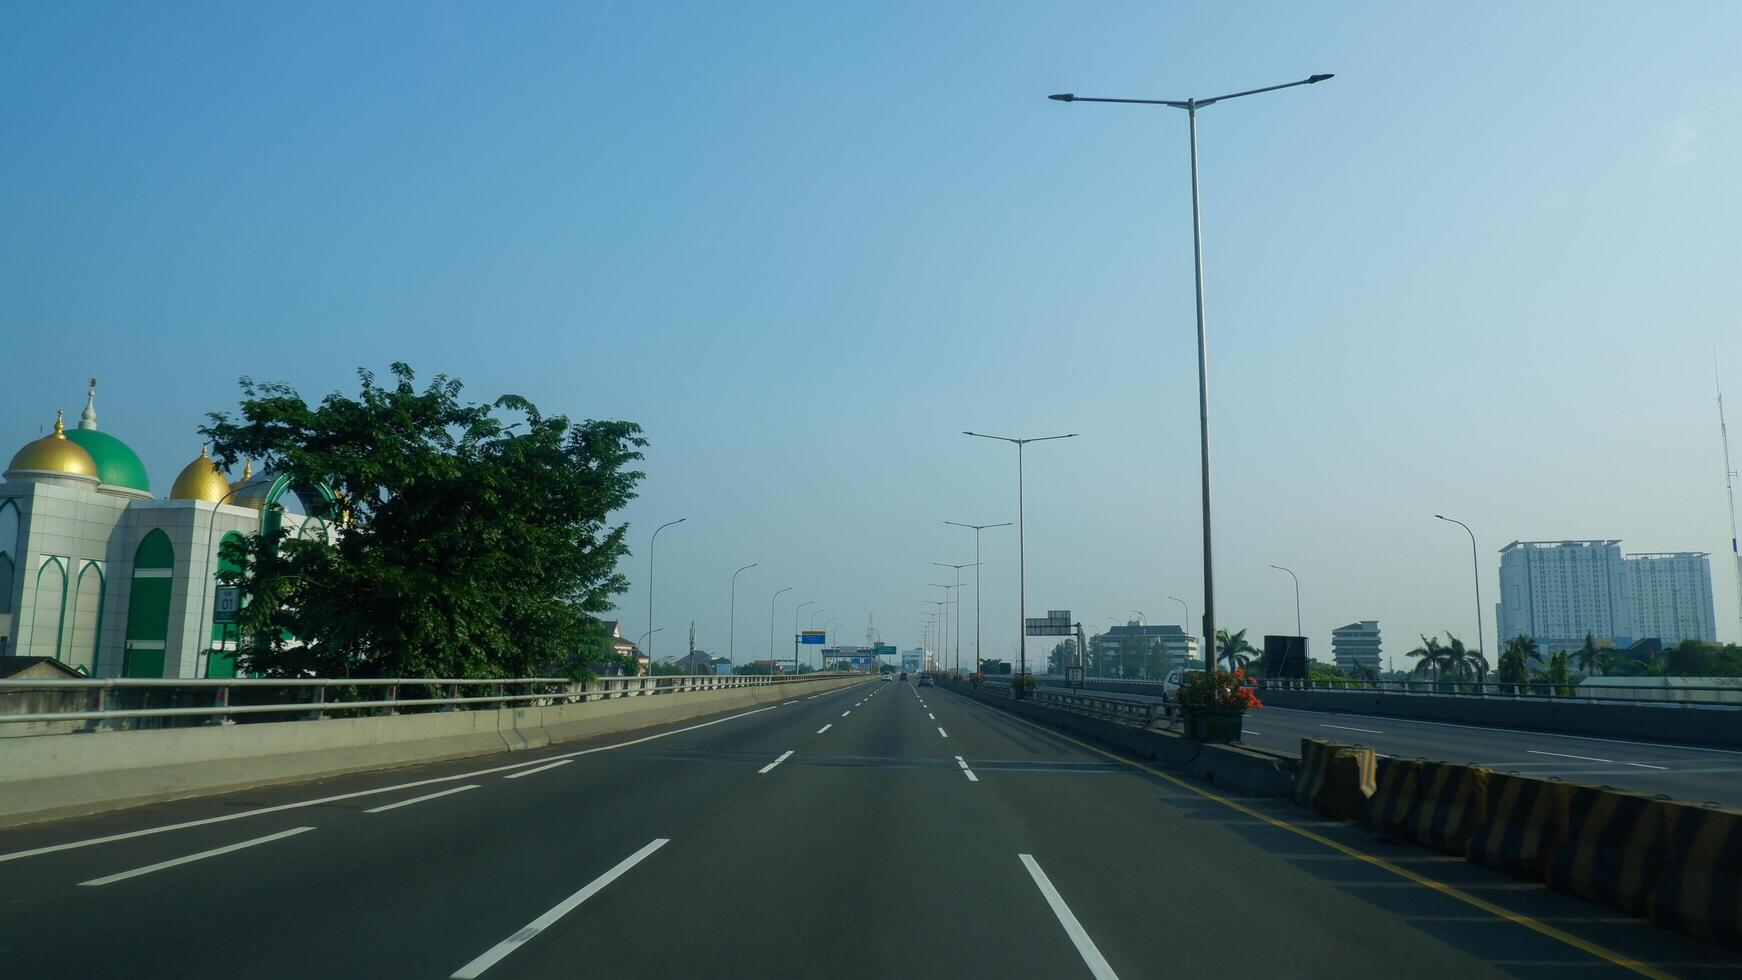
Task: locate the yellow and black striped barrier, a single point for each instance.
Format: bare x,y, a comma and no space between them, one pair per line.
1450,802
1315,768
1524,822
1615,847
1388,809
1700,891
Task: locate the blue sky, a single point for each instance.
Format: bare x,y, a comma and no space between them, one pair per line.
1485,271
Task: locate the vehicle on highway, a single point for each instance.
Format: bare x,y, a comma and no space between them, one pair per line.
1170,685
903,675
925,680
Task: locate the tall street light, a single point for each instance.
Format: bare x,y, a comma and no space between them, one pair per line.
958,568
1477,571
650,544
937,623
1191,106
771,603
1296,578
732,641
1186,624
648,636
979,662
1021,556
796,610
814,614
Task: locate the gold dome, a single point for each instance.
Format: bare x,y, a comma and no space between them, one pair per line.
249,492
200,480
55,454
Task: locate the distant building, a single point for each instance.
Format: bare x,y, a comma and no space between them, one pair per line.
1356,646
913,660
1558,591
1177,647
722,666
698,662
1672,596
622,648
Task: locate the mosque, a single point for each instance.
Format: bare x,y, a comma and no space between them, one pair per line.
109,581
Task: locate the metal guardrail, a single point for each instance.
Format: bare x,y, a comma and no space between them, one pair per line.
1143,714
1699,696
1691,696
103,704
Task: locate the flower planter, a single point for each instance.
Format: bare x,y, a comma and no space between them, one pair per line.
1214,726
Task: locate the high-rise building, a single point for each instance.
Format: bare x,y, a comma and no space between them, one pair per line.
1672,596
1356,645
1558,591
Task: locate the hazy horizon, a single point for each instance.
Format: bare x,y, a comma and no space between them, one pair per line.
1486,271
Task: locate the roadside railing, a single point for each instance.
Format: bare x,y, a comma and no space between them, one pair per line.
1695,695
42,707
1128,710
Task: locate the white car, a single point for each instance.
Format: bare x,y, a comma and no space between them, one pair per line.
1175,677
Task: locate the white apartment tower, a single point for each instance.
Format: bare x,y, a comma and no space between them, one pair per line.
1356,645
1672,596
1558,591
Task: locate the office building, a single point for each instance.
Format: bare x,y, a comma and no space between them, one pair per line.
1356,646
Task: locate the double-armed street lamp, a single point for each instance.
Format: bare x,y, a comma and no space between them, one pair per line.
1021,546
958,587
1191,106
979,661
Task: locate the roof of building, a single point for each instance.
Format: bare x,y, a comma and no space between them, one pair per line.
55,453
201,480
117,464
35,667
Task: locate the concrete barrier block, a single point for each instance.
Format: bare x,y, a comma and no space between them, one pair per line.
1388,809
1525,820
1701,888
1615,847
1350,781
1450,802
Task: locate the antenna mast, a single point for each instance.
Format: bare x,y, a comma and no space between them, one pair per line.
1730,489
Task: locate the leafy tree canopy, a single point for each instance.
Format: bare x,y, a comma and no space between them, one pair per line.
469,545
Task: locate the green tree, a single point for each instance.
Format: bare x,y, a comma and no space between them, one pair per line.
1432,659
1514,670
1064,654
1232,650
464,546
1560,673
1589,658
1464,663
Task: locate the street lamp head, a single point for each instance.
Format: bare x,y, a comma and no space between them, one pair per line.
1068,97
1318,78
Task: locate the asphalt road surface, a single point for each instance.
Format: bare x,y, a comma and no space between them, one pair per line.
1683,772
879,831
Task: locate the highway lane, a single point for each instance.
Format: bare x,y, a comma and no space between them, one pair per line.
874,832
1684,772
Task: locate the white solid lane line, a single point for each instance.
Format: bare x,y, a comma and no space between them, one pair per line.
1346,728
1591,758
147,832
776,762
420,799
214,852
543,768
825,728
494,954
1092,957
942,732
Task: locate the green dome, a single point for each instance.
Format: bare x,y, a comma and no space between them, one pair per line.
117,465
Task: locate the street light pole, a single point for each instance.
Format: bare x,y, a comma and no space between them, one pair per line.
937,626
1186,622
1296,578
1191,106
650,629
979,661
732,640
771,603
1476,570
796,610
958,587
1021,546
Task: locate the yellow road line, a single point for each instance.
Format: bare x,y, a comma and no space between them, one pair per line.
1543,928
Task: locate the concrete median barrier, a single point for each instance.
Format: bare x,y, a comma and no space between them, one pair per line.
1333,778
1524,822
1450,801
1314,771
1393,797
1700,891
1615,847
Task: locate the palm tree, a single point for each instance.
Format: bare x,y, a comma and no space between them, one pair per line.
1589,660
1463,662
1233,650
1513,670
1433,656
